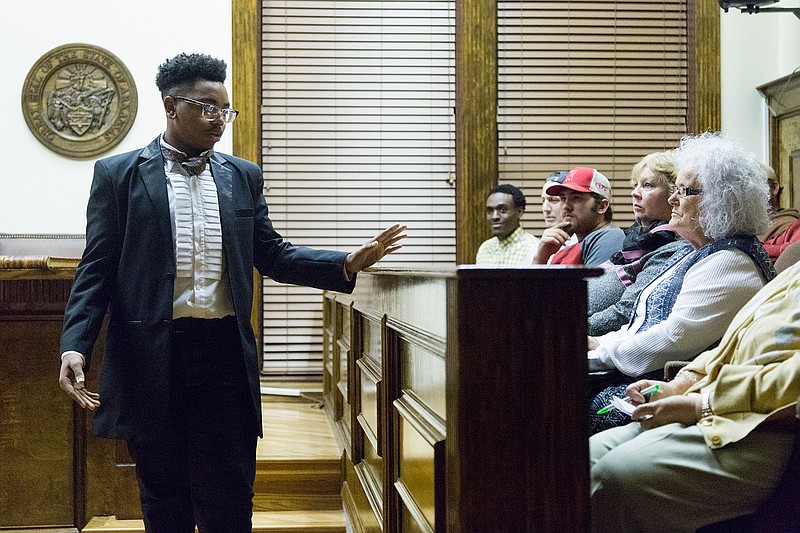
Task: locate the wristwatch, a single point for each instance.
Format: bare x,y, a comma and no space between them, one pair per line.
705,404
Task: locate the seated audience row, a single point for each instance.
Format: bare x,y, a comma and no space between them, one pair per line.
646,244
719,206
674,282
577,210
713,443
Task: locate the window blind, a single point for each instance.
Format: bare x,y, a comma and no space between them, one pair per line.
598,84
358,133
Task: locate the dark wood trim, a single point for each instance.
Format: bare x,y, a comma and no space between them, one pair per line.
246,86
476,121
704,100
390,367
32,302
530,470
79,452
356,436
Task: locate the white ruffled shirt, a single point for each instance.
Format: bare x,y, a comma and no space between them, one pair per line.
202,289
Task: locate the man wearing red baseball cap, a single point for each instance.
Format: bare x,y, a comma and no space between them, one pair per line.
586,212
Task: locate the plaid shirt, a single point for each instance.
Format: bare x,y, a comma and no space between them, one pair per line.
516,249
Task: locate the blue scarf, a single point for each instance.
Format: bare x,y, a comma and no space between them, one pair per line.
662,299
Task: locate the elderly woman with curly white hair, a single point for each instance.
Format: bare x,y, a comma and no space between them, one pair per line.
719,206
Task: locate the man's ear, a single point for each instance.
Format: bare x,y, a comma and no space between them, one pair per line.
602,206
169,106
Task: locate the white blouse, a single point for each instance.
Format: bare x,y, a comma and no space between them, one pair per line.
713,291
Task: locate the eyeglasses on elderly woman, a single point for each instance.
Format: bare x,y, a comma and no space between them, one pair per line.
684,191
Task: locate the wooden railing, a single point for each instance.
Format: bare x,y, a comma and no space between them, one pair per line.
459,398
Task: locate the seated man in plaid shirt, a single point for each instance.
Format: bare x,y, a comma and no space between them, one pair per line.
510,245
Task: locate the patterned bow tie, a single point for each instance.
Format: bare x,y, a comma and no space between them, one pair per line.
193,165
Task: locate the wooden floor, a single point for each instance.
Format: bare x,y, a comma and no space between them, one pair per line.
295,428
298,475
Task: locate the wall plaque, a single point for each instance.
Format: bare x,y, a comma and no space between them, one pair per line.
79,100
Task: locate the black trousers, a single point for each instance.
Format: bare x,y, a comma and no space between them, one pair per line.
202,471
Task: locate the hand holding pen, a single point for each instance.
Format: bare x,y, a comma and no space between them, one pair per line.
644,392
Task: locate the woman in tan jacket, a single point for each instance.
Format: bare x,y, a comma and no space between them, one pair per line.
711,444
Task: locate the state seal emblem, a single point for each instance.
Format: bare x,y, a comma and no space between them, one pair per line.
79,100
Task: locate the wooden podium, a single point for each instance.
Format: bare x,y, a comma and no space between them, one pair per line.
460,399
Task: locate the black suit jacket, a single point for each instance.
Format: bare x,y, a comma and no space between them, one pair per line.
128,268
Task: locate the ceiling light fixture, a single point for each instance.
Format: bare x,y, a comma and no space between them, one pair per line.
755,6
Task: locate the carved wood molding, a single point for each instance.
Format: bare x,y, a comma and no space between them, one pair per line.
372,374
782,95
422,418
372,489
413,335
34,296
783,99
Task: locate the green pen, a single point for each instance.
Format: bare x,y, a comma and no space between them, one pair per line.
645,391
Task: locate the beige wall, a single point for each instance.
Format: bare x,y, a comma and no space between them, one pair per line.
756,49
43,192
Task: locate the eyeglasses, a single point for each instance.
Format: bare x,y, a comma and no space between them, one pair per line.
211,111
684,191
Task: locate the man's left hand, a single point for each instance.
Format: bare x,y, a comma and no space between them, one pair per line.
375,249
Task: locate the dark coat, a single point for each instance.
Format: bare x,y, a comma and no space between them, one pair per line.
128,268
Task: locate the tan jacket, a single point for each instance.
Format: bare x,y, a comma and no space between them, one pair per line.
755,370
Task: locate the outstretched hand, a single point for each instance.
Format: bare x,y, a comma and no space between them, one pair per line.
375,249
72,381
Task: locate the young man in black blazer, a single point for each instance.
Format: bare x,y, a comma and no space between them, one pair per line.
173,233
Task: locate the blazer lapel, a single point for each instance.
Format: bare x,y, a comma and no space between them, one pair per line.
224,181
155,182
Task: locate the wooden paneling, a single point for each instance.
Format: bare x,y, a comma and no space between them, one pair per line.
369,416
517,396
358,508
52,471
336,369
481,398
421,459
36,419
